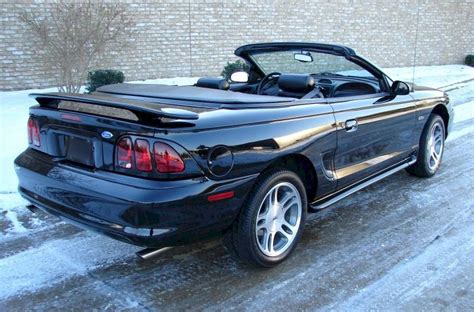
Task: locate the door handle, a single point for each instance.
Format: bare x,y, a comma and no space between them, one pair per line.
350,125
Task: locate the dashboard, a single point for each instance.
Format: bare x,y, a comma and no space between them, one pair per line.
346,86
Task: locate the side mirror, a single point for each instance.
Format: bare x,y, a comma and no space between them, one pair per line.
239,76
400,88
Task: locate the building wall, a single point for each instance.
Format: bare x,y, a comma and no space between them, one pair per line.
198,37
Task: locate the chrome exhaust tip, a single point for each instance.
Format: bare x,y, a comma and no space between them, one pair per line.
149,253
32,208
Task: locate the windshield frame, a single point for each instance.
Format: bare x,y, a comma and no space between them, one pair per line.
245,52
266,71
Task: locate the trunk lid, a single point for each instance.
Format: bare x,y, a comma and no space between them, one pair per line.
82,130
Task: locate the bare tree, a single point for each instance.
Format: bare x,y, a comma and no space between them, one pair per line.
75,36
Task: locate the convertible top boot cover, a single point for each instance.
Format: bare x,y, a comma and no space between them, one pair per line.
189,94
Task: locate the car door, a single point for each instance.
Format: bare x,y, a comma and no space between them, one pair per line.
373,132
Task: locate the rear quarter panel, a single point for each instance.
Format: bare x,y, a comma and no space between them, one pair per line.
258,137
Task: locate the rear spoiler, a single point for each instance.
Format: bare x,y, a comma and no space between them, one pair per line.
144,110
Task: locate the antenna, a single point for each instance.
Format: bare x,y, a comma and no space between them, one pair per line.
416,39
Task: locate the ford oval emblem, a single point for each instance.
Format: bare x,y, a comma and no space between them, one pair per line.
106,134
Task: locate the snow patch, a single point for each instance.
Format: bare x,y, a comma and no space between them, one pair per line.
459,133
432,76
464,112
56,261
17,226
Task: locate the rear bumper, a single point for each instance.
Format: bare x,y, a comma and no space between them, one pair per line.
139,211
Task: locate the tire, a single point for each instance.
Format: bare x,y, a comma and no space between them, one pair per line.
280,223
431,148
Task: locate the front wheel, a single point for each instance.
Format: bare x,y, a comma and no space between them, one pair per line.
271,222
431,148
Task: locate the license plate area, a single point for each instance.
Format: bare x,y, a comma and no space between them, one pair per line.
79,150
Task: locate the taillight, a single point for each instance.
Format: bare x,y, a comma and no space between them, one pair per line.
139,154
124,153
167,159
142,155
33,132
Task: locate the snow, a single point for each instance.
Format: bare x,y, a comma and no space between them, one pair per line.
464,112
49,265
433,76
419,272
55,260
460,133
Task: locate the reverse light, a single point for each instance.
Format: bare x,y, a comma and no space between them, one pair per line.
167,160
142,155
33,132
124,153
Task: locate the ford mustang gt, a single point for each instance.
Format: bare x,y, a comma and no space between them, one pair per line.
158,166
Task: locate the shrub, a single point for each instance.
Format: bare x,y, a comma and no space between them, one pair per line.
102,77
470,60
232,67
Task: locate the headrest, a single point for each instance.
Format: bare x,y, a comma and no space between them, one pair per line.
296,82
213,83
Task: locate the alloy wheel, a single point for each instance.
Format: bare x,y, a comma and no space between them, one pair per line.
278,219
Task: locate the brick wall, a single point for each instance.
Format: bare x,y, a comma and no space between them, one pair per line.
197,37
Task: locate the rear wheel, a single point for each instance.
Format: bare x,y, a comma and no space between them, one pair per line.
271,222
431,148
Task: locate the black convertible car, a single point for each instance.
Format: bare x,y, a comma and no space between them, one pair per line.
158,166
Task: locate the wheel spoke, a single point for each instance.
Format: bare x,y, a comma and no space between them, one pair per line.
271,241
290,226
285,234
265,240
262,226
273,198
262,216
286,198
290,204
431,141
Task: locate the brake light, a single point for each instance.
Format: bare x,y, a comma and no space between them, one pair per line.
142,155
167,159
124,153
33,132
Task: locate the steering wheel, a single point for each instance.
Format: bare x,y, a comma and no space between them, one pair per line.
266,80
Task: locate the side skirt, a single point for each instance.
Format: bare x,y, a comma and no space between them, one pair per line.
343,193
